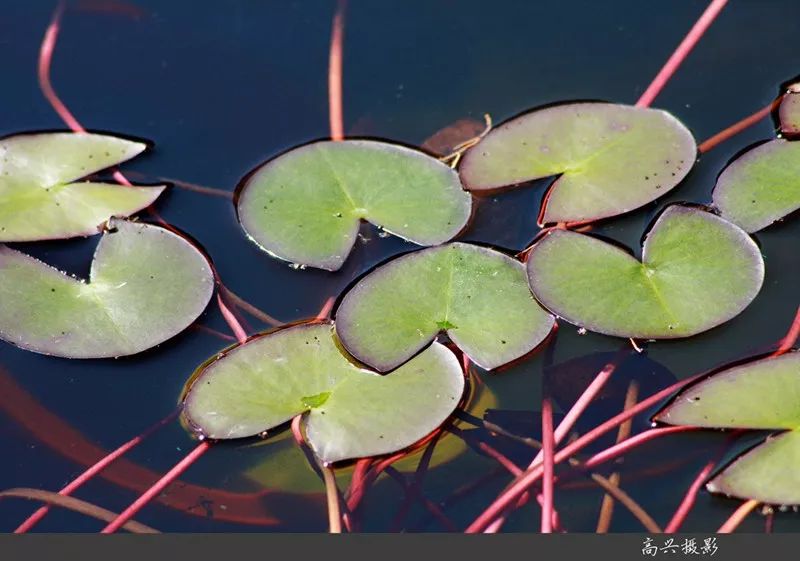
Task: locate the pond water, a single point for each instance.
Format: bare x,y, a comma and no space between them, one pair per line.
219,89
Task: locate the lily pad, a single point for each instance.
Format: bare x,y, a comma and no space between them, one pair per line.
761,186
697,271
789,113
40,196
146,285
762,394
283,466
478,296
610,158
266,382
305,205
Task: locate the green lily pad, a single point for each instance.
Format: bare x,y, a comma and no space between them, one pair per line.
305,205
284,467
760,186
610,158
40,196
762,394
697,271
477,295
146,285
266,382
789,113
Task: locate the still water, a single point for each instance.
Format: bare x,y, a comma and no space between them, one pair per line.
221,87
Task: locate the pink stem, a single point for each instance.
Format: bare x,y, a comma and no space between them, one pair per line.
688,501
786,344
630,443
327,308
156,489
569,421
335,74
680,54
548,447
738,517
45,59
521,485
738,127
579,407
515,470
297,432
531,475
231,320
93,470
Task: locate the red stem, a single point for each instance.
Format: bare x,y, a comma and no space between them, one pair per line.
567,423
327,308
738,517
214,332
156,488
335,74
738,127
93,470
631,443
522,483
688,501
231,320
45,59
788,341
580,406
680,54
548,447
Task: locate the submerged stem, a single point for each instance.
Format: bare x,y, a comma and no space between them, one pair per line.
609,486
332,495
548,449
76,505
738,517
156,488
623,433
92,471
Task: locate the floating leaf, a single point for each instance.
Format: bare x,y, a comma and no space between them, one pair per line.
283,466
789,113
265,382
697,272
40,197
305,205
763,394
477,295
146,285
610,158
761,186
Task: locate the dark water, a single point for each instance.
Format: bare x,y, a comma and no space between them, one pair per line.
220,87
